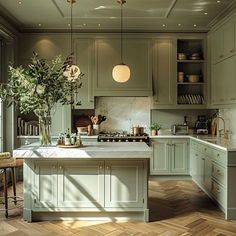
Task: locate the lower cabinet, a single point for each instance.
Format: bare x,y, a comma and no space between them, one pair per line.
88,184
170,156
44,184
208,170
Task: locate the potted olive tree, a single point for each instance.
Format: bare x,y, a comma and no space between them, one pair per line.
39,87
154,128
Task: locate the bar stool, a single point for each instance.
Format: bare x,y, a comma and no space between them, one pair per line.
7,162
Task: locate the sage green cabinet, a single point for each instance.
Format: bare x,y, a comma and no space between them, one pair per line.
123,184
159,163
164,71
223,42
80,183
223,82
137,55
84,51
170,157
44,186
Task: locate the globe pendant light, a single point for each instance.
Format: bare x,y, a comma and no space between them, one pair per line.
72,71
121,72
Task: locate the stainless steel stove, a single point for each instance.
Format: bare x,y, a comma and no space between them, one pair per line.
122,137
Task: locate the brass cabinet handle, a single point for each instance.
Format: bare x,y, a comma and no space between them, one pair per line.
218,190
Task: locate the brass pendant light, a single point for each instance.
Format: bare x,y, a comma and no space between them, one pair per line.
72,71
121,72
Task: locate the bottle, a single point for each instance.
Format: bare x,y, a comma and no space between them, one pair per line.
72,139
59,140
67,138
78,140
185,120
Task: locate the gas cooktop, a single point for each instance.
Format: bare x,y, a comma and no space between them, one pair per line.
122,137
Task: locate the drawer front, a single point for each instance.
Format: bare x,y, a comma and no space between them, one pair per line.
219,193
219,173
219,156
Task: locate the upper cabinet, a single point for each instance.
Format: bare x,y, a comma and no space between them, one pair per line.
179,73
84,49
137,55
223,42
164,71
223,64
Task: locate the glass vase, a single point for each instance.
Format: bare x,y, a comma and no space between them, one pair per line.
45,130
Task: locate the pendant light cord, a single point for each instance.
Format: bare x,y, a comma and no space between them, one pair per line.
71,31
121,29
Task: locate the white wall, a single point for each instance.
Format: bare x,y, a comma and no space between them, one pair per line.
124,112
229,116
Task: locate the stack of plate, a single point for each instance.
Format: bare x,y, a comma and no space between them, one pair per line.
190,99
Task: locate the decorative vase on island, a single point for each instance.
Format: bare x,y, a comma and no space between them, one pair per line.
45,120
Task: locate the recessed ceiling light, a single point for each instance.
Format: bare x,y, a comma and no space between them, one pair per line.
99,25
205,13
20,2
179,24
39,25
164,25
194,25
69,25
218,1
84,24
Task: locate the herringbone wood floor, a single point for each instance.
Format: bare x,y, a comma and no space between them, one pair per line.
178,207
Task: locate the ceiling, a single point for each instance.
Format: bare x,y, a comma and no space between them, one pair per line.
139,15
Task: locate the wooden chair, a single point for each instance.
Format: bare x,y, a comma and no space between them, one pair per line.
7,162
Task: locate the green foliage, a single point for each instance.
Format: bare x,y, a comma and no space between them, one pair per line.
155,126
40,86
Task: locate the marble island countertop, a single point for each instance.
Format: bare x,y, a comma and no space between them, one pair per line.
222,143
89,150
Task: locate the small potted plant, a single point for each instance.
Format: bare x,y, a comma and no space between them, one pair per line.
154,128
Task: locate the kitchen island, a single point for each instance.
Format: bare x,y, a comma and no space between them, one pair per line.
107,181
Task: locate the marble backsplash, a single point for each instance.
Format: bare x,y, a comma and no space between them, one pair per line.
123,112
229,115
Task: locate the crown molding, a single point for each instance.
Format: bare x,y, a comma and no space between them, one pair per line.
223,16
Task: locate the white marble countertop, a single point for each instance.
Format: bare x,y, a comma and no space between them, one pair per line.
89,150
56,136
217,142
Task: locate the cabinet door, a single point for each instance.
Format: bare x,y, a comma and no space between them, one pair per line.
124,184
61,119
159,163
193,163
164,72
85,59
179,156
217,42
229,84
217,84
137,56
229,42
207,173
81,184
44,184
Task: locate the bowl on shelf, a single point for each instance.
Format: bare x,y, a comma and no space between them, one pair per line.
182,56
193,78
